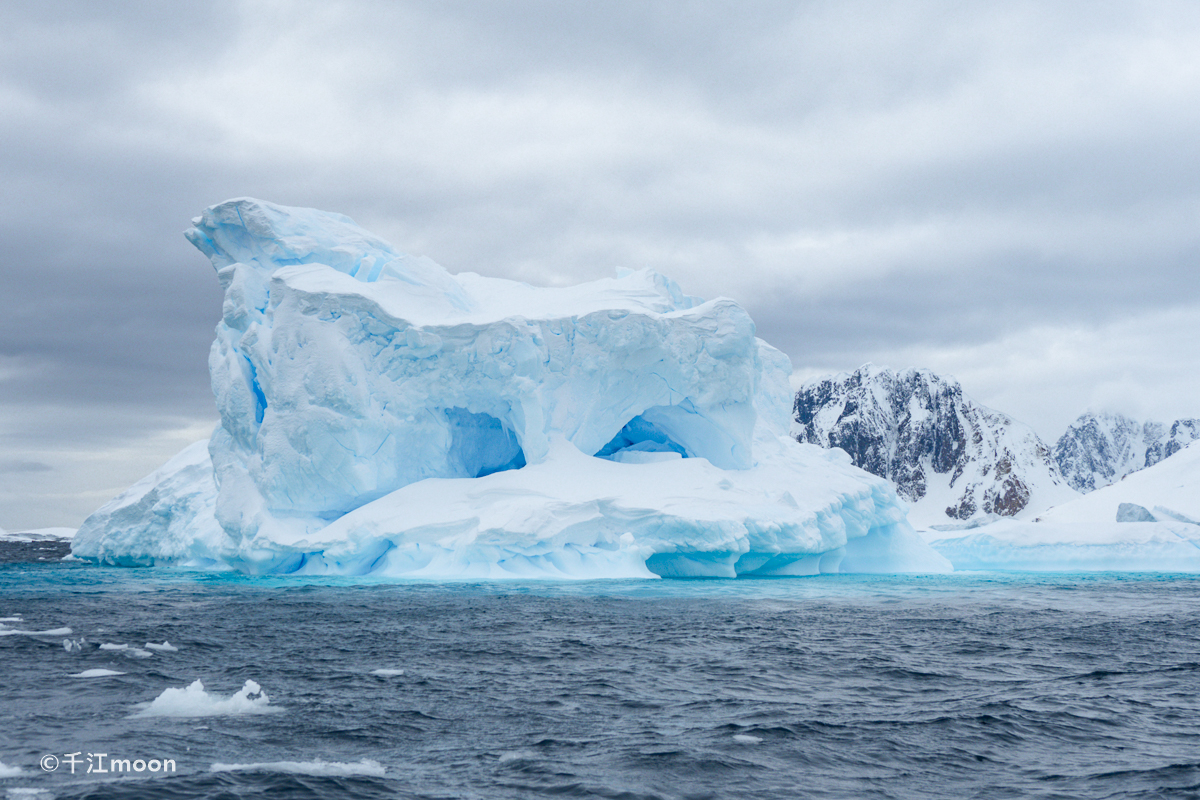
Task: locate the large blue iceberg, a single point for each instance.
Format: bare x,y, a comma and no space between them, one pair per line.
382,416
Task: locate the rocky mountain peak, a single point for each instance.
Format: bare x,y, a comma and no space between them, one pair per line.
948,455
1100,448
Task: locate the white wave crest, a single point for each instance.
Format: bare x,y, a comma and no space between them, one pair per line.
52,632
317,767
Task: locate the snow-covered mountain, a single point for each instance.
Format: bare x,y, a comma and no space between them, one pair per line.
1100,449
949,456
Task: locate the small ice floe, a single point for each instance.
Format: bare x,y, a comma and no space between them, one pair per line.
11,619
745,738
74,645
95,673
165,647
28,793
318,767
193,701
387,673
135,652
8,772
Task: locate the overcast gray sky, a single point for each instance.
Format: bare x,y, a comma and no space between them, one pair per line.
1008,193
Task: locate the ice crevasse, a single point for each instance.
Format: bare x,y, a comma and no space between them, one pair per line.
382,416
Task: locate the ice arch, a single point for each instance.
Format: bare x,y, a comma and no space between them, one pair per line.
678,429
480,444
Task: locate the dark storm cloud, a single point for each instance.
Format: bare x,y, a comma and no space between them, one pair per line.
927,178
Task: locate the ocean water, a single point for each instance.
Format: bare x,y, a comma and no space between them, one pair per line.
961,686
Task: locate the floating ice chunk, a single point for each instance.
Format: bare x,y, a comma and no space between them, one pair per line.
387,673
745,738
8,772
318,767
165,647
96,673
11,619
193,701
135,652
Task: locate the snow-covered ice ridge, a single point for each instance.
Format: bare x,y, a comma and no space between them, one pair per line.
381,416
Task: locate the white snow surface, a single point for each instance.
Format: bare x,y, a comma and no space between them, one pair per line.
1085,534
379,415
1170,490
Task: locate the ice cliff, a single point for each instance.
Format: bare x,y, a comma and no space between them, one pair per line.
379,415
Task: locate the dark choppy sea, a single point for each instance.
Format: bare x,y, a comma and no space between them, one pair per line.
964,686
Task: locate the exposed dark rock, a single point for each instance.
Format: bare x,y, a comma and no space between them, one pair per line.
912,427
1100,449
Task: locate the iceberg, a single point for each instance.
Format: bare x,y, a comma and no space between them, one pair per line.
381,416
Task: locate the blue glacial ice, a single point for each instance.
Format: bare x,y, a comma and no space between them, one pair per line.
382,416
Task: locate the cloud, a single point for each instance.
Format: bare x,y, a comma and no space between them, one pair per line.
932,181
24,466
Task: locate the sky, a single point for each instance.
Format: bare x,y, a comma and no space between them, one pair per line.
1006,193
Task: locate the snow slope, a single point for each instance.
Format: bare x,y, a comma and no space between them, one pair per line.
379,415
1148,521
1170,489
